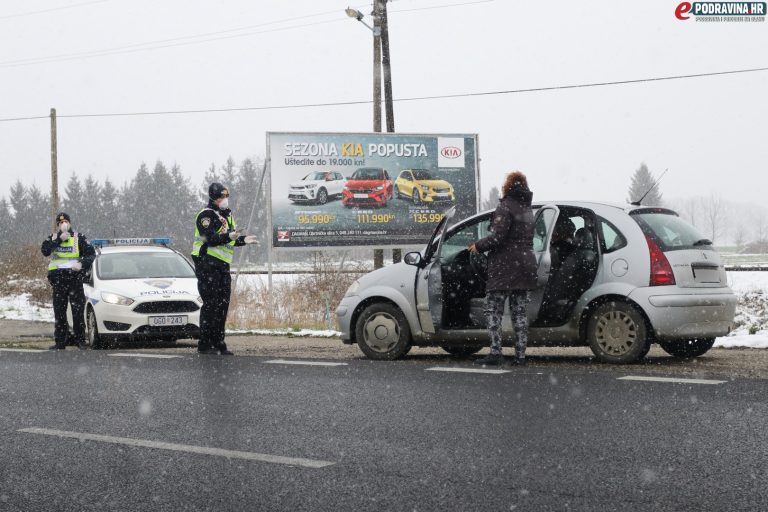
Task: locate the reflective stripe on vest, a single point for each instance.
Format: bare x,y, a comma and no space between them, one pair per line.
224,252
66,254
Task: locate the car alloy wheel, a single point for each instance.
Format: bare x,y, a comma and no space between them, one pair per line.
416,197
617,333
382,332
322,196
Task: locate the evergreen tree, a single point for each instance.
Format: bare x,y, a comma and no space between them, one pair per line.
74,200
19,229
92,220
229,172
39,213
110,225
642,181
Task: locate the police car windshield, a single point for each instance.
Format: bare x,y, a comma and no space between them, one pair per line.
140,265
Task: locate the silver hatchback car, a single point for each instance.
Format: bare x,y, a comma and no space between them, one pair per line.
616,278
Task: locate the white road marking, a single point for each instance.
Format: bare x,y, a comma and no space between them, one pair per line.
28,350
305,363
464,370
669,379
232,454
138,354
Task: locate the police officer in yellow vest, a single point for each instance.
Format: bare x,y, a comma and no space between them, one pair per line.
216,236
72,257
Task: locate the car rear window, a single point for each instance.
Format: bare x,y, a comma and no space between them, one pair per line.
669,231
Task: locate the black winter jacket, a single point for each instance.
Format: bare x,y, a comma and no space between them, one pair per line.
511,262
87,255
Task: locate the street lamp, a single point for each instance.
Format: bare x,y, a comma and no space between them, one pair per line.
380,56
354,13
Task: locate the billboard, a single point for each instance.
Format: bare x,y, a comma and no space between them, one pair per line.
367,189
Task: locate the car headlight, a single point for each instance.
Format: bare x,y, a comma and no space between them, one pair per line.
380,187
313,185
113,298
352,290
199,300
425,188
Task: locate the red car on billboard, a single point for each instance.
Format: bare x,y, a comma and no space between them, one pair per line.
368,186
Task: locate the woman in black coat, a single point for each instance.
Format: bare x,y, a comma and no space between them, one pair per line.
511,266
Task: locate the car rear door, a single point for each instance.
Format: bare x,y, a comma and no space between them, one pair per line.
429,283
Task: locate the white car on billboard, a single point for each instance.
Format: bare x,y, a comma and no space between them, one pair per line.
317,187
139,289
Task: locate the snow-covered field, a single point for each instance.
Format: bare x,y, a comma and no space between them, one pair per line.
751,315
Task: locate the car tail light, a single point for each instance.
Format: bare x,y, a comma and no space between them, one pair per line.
661,270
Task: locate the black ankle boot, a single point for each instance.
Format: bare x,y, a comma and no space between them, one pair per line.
490,360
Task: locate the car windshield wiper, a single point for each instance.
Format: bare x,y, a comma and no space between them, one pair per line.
703,241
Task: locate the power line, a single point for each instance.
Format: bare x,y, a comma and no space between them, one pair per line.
31,13
201,38
414,98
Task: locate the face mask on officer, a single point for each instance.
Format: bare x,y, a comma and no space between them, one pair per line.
64,227
224,204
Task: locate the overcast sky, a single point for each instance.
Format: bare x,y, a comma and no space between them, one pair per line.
576,144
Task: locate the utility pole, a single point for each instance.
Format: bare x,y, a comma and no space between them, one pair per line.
397,254
378,254
54,170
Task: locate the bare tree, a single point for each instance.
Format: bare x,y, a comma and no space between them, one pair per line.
715,213
492,201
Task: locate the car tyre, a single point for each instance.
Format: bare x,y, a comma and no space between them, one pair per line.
463,350
92,331
416,197
617,333
322,196
382,332
687,348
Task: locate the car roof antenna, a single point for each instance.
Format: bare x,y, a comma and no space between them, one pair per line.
637,203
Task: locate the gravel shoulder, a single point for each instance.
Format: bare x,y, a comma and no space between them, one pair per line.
719,362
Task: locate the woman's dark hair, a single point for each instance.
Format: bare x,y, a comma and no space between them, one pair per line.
515,178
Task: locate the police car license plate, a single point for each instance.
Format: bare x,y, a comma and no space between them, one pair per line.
162,321
361,196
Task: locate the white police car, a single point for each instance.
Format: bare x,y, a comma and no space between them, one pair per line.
140,289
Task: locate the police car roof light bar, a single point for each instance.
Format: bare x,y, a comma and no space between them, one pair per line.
100,242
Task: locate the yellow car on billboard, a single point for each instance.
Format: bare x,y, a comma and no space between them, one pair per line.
419,186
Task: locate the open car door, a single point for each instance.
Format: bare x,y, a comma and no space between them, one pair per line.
543,226
429,282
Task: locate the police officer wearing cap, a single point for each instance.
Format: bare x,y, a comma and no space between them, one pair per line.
216,236
72,258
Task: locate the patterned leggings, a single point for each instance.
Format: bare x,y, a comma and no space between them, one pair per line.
494,311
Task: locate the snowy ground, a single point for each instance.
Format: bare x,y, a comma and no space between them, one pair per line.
751,315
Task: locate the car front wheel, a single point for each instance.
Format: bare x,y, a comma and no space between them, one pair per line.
687,348
416,197
92,331
382,332
616,333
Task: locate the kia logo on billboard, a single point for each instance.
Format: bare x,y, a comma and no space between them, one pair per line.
450,152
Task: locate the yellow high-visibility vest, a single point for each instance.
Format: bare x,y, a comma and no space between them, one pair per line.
66,254
223,252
